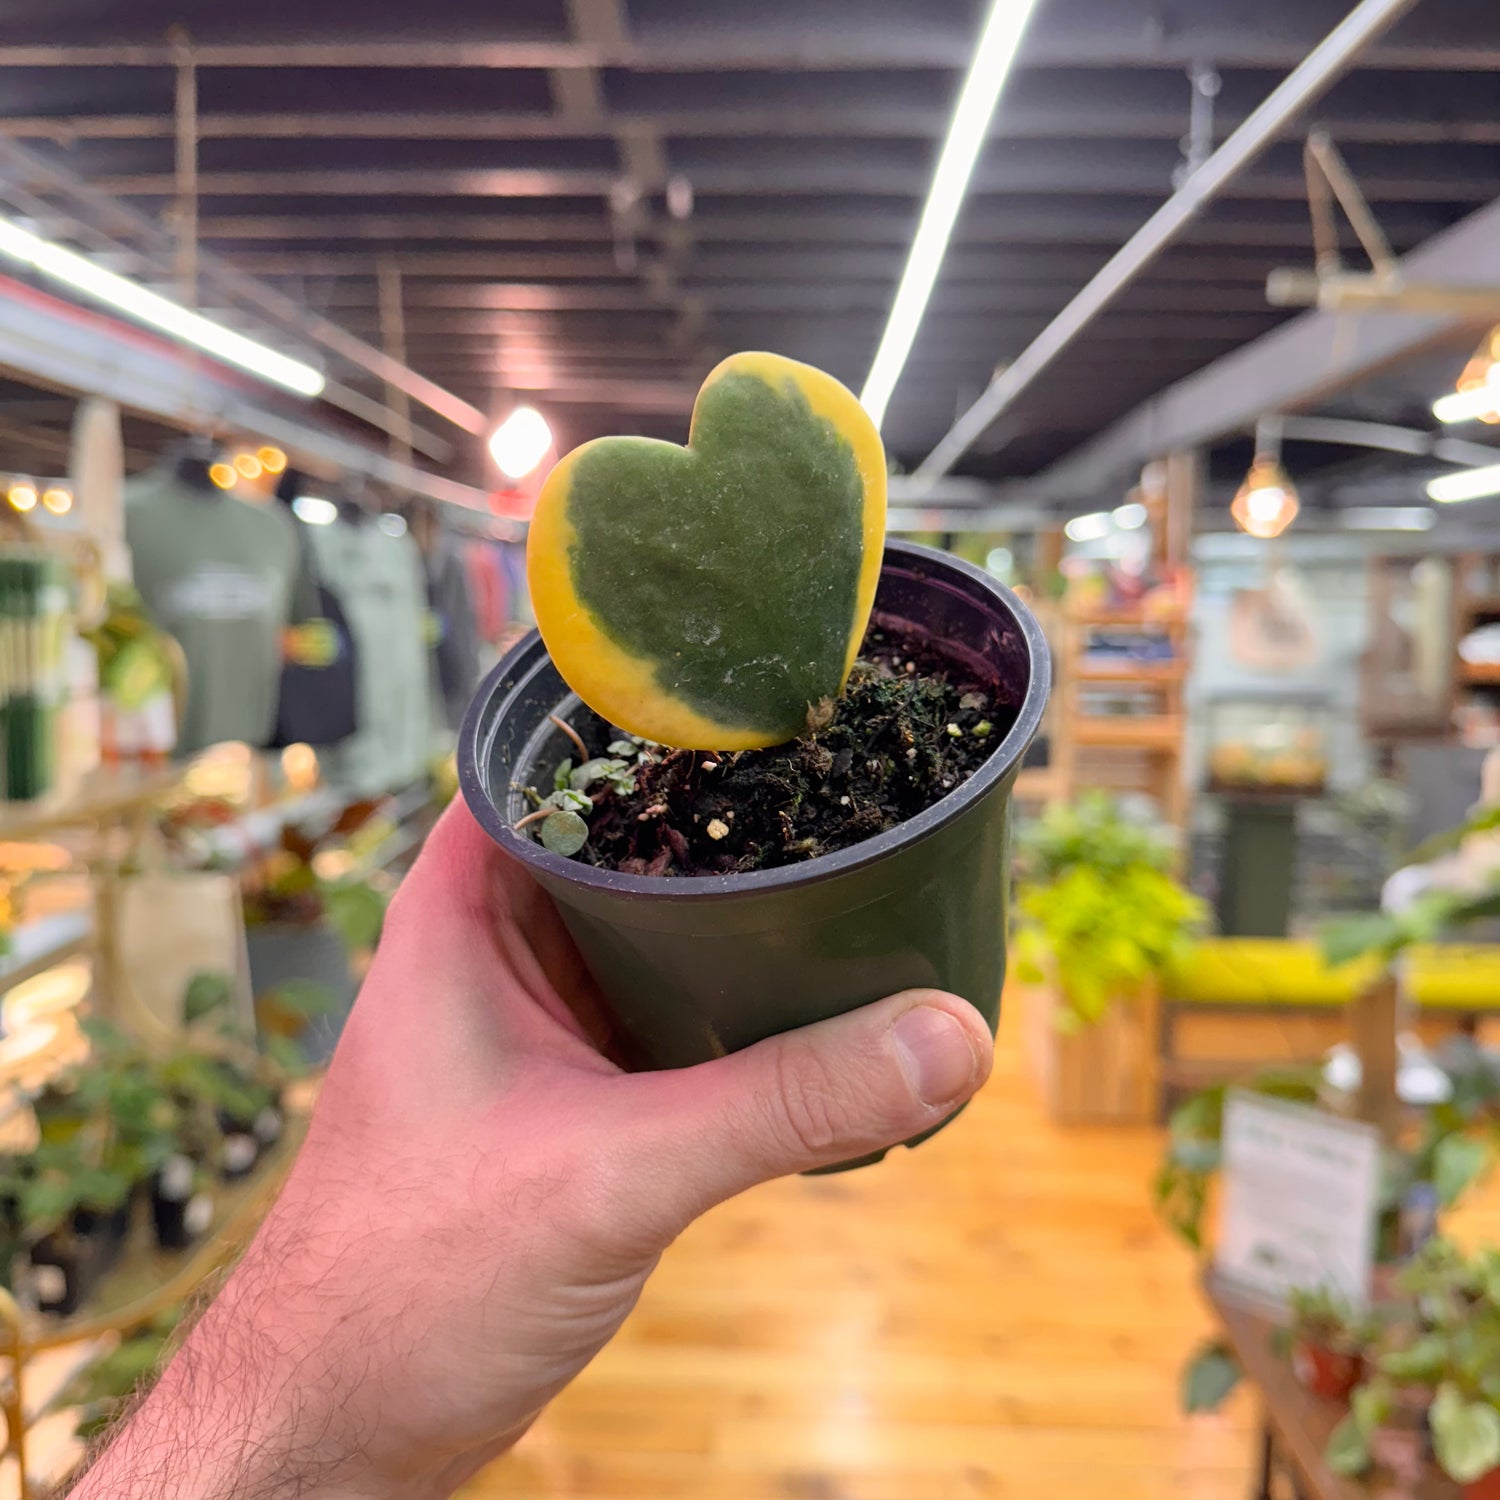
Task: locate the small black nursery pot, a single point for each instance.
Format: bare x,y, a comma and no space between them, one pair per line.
694,967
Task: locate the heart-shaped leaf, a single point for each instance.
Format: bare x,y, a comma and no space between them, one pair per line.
710,596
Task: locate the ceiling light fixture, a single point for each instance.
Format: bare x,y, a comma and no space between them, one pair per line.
1129,517
249,465
129,297
1467,484
1266,503
22,496
1477,395
315,510
993,57
226,476
58,500
1090,528
520,442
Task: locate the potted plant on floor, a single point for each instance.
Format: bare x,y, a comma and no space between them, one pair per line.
774,752
1101,921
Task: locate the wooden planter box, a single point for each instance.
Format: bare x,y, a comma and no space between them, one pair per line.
1104,1074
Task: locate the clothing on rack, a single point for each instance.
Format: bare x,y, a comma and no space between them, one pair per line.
223,577
379,581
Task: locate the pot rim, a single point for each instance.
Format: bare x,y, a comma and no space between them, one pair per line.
1003,762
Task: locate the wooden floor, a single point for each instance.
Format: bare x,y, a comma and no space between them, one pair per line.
997,1314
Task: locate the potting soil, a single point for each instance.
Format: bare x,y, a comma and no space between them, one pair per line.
912,726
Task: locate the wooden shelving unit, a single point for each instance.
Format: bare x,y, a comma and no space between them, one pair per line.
1139,750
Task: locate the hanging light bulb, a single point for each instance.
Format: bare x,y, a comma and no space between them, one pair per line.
58,500
1477,394
520,442
249,465
272,460
223,475
1266,503
22,496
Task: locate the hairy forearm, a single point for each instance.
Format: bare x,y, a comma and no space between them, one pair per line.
233,1417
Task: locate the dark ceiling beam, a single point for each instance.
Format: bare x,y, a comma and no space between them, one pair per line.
965,332
882,122
484,182
874,297
818,172
1096,34
1046,224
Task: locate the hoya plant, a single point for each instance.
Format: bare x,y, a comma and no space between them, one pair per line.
714,596
711,596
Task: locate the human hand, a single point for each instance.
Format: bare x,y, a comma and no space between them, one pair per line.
482,1196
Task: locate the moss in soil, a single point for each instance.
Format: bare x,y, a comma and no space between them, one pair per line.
912,726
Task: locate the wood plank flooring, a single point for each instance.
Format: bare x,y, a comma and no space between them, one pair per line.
994,1315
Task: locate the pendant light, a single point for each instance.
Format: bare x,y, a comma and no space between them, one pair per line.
1266,503
1477,394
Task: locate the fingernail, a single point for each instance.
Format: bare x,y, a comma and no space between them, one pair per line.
936,1053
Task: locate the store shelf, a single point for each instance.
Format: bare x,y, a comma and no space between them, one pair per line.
1040,784
1126,619
1162,732
1131,673
147,1280
101,796
43,944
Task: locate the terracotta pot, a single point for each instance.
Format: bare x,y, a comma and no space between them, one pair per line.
1325,1372
1486,1487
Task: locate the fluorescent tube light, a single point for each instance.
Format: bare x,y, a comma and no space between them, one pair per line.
1467,484
145,306
1129,517
1387,518
1473,405
966,134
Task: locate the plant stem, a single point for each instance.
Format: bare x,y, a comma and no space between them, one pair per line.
572,734
534,817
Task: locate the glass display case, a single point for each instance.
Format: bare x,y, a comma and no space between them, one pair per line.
1268,744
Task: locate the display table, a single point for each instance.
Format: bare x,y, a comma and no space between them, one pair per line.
1295,1424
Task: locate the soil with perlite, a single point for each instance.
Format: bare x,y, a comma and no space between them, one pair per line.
912,726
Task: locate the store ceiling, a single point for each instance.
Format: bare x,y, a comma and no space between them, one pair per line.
479,150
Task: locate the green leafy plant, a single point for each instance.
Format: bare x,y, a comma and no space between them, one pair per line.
1322,1318
1449,1347
561,817
313,877
1428,917
1100,914
1195,1147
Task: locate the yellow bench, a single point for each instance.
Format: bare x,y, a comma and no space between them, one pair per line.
1240,1004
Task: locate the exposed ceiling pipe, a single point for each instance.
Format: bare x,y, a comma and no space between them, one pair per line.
1388,438
1363,25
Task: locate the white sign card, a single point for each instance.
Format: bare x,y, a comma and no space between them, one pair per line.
1301,1199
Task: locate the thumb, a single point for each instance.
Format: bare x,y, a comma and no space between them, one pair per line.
828,1093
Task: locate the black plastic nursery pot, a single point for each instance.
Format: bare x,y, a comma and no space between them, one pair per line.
693,967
